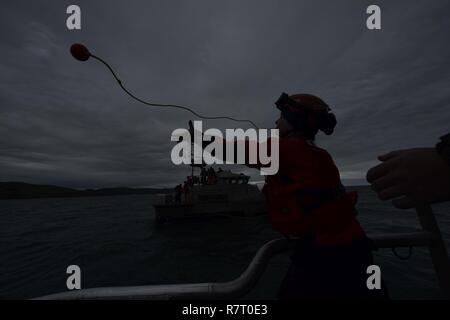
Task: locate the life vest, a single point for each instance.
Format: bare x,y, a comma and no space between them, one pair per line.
306,196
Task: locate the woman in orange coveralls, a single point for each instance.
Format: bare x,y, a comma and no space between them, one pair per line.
306,199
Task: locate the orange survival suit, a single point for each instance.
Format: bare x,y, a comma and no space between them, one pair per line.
306,196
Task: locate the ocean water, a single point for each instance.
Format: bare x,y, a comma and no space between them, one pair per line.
116,242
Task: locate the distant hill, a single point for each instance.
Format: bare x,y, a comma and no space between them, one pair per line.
365,188
21,190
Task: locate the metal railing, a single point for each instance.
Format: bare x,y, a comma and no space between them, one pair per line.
429,237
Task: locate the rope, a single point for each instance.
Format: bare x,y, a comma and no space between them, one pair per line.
167,105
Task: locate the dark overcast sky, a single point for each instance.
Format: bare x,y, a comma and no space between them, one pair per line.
67,123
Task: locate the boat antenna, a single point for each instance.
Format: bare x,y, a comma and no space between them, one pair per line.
81,53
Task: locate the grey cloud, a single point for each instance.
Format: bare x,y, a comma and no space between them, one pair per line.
67,123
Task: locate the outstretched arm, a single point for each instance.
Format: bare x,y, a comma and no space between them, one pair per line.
250,152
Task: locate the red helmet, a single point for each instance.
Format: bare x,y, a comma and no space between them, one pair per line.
307,112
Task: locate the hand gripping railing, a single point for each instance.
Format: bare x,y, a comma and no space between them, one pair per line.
237,288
